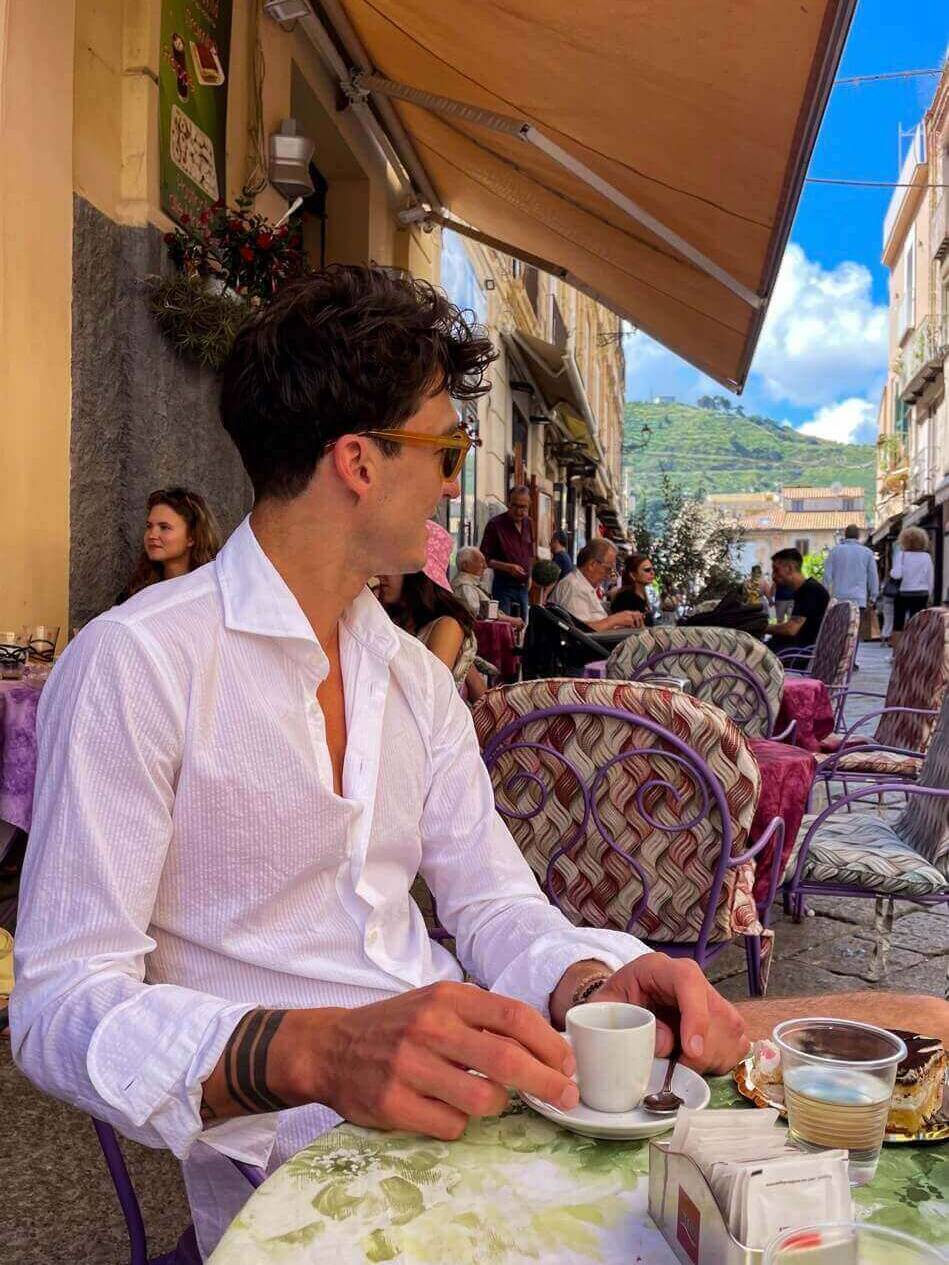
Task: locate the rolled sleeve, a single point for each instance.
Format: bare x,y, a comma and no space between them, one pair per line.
85,1025
507,932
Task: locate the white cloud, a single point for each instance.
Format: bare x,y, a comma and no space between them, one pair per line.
851,421
823,335
824,341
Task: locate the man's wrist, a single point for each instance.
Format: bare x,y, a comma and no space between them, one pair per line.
577,984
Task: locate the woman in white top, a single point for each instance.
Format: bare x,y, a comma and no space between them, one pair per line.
914,570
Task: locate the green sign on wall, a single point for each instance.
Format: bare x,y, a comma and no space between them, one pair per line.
192,104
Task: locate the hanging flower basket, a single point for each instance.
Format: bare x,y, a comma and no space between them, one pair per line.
229,263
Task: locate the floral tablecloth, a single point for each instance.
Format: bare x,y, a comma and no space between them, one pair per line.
18,703
513,1189
807,701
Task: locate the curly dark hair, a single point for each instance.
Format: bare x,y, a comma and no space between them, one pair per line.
343,350
422,601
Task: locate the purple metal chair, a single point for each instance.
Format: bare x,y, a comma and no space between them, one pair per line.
832,657
625,823
186,1252
866,854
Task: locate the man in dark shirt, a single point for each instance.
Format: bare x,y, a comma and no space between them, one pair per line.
811,600
559,553
508,546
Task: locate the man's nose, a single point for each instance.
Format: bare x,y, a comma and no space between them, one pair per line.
451,490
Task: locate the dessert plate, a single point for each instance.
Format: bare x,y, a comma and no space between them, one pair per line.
935,1130
619,1126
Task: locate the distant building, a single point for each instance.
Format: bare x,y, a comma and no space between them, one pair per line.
809,519
663,399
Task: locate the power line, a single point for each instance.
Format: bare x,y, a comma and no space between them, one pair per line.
889,74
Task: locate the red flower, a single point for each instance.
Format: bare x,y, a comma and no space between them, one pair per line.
169,238
247,253
185,217
236,226
218,205
263,240
204,217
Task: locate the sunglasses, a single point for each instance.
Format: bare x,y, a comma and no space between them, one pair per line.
454,447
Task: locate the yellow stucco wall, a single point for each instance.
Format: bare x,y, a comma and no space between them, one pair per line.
36,83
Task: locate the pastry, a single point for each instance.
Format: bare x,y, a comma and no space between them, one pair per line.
920,1082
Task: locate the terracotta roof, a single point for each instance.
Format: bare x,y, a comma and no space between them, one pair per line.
784,520
821,493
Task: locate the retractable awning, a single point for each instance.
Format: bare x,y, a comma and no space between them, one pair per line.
650,153
553,370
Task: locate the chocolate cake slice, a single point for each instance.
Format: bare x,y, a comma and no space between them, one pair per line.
920,1082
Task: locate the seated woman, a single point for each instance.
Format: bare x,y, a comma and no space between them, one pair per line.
180,536
631,596
424,605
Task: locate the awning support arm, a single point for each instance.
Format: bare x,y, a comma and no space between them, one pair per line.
528,133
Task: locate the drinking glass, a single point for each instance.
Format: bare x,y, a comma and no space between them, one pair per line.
42,639
849,1243
838,1083
13,650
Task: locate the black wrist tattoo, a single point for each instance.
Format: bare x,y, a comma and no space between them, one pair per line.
587,990
245,1062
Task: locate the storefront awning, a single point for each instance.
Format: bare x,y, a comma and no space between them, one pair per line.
554,372
651,157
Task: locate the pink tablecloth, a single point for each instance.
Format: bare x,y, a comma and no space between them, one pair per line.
496,644
808,702
786,776
17,752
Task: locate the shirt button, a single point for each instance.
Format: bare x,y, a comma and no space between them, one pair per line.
373,936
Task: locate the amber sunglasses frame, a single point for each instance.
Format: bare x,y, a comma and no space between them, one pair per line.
459,441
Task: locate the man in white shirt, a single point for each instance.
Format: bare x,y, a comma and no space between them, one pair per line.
468,584
577,594
241,772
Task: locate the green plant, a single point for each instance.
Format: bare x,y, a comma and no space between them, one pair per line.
813,565
892,454
199,325
689,542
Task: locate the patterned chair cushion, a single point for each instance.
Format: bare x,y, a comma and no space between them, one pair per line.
630,655
649,804
919,678
901,766
865,851
924,823
836,643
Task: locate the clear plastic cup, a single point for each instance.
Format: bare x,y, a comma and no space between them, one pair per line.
838,1084
849,1243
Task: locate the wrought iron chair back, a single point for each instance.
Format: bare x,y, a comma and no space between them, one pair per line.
633,806
835,652
718,679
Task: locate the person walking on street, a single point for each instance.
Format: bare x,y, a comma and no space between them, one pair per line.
508,546
914,570
850,575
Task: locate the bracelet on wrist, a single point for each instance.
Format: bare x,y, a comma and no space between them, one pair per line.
588,989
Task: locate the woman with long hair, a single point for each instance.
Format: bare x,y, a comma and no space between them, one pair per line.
637,574
180,535
914,570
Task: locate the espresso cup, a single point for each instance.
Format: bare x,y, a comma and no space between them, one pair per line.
614,1044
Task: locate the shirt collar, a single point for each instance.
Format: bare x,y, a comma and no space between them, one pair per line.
258,600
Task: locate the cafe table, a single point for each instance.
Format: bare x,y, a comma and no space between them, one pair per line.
497,644
18,703
513,1189
807,701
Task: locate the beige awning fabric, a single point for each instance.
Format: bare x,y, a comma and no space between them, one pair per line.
652,154
549,365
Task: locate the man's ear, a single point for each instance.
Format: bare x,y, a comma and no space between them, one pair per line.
355,463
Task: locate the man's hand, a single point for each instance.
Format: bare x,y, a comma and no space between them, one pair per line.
398,1064
690,1014
514,569
624,619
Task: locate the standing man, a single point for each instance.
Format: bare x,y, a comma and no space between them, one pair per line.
850,575
508,547
577,594
808,607
560,554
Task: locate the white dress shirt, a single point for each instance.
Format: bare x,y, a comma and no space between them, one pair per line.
189,859
470,591
914,570
577,595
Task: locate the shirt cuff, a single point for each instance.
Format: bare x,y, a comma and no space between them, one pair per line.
150,1056
534,974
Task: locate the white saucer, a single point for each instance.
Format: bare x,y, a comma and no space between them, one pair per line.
624,1125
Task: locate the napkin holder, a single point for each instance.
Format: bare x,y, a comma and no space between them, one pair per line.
683,1207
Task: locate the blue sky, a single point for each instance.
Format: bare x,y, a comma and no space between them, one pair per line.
822,356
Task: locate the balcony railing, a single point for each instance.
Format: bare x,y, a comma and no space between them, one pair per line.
923,356
915,157
941,226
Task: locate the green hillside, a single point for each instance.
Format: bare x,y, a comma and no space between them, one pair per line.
721,450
